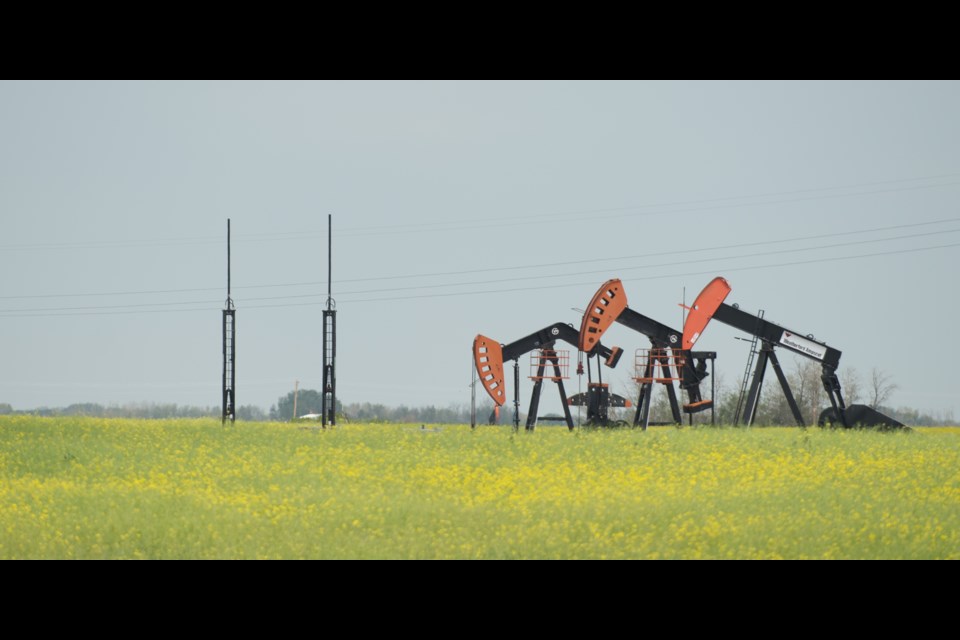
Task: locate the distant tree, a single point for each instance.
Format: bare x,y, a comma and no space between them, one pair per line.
772,409
308,401
912,417
84,409
881,387
5,409
850,385
251,413
660,410
725,398
452,414
808,389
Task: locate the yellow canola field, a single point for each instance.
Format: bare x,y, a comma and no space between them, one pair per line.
97,488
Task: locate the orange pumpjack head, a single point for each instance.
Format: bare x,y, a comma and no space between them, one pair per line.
604,309
488,358
703,309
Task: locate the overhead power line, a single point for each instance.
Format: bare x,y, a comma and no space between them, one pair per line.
115,306
623,212
502,280
653,266
664,208
436,274
663,277
683,202
94,311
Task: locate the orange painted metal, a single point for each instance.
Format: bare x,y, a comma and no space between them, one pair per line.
649,360
614,357
604,309
488,358
703,309
544,364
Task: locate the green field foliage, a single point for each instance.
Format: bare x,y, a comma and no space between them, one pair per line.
90,488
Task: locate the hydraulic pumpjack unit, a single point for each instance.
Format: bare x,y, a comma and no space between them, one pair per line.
489,357
710,305
609,305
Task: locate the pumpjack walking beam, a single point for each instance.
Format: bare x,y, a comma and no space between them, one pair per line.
710,304
489,357
609,305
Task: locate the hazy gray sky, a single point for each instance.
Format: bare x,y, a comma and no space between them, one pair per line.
461,208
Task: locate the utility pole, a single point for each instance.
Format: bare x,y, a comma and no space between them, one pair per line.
229,349
473,391
296,388
328,408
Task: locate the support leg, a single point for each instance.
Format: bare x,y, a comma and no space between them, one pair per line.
753,398
644,397
516,395
671,391
786,390
563,394
535,396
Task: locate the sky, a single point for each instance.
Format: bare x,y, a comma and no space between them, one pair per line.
461,208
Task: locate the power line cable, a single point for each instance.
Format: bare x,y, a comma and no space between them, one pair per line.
599,214
497,269
662,277
661,264
501,280
116,306
677,203
510,290
650,255
510,220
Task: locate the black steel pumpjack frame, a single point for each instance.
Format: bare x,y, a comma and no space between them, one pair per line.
771,335
694,369
546,339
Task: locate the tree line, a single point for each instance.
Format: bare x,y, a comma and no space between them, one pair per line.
309,401
146,410
875,390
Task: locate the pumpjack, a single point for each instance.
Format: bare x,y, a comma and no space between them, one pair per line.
710,305
609,305
489,357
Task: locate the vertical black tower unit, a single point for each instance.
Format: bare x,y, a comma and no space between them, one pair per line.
328,407
229,349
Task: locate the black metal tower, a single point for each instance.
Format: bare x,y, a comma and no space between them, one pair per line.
229,349
328,407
